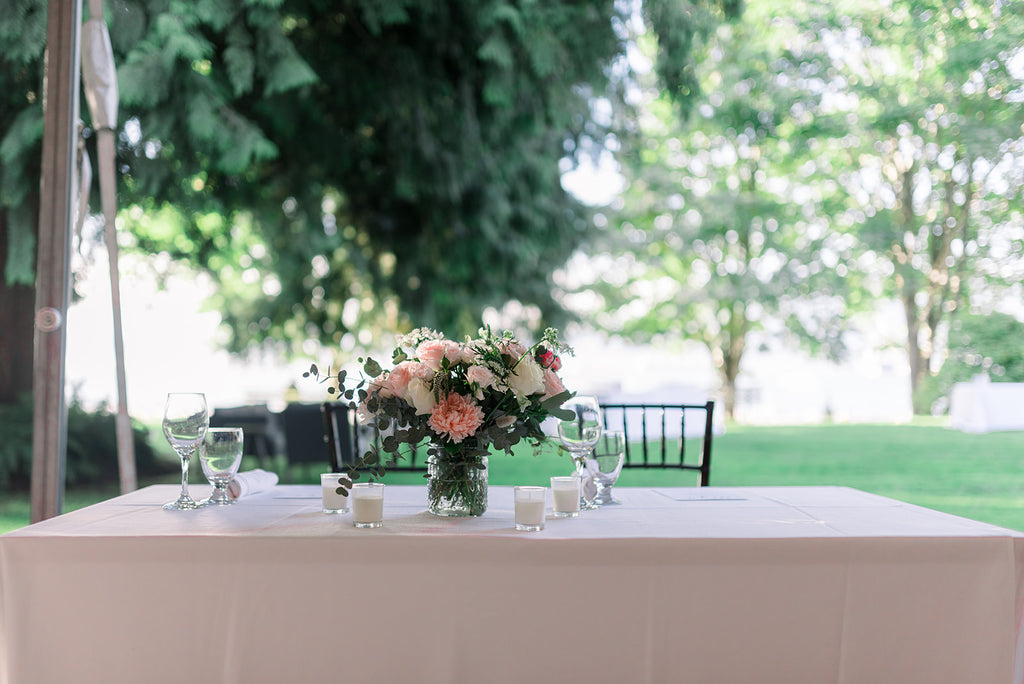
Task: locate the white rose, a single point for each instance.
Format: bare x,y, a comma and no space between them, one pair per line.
527,378
419,394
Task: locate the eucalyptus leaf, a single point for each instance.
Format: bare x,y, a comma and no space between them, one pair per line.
562,414
555,401
372,368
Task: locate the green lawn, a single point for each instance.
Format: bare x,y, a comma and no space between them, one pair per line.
976,476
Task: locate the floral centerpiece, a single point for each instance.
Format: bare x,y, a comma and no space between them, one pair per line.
463,400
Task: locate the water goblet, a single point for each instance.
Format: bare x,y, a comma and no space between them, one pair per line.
220,455
578,436
186,420
605,464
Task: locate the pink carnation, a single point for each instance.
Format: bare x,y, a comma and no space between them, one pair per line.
457,417
432,351
552,383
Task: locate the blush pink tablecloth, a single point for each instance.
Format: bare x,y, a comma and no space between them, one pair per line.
732,585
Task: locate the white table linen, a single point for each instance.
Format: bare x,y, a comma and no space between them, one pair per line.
767,584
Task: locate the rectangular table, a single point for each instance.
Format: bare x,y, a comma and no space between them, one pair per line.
732,585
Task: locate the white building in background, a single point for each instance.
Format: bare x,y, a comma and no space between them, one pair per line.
776,385
787,387
782,385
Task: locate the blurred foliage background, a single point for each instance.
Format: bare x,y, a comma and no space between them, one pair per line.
346,168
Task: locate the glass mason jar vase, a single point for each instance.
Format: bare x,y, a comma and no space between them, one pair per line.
456,486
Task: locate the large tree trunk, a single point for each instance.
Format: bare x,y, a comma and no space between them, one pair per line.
731,344
926,296
17,303
919,361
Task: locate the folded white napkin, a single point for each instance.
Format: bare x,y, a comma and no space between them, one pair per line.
251,482
588,487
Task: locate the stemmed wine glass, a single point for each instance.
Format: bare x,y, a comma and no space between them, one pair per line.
185,423
220,455
605,465
579,436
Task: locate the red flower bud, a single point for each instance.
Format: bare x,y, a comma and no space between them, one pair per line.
547,359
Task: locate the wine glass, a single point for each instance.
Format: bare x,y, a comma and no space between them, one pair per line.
185,423
219,455
578,436
605,464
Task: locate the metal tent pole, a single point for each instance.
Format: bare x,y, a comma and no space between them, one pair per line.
57,188
100,79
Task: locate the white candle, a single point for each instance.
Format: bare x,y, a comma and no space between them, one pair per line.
565,495
530,512
367,509
565,500
332,501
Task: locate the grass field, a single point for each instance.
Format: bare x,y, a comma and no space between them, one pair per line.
975,476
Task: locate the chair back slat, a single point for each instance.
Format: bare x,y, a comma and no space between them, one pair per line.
664,452
682,431
342,441
263,434
625,431
635,417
